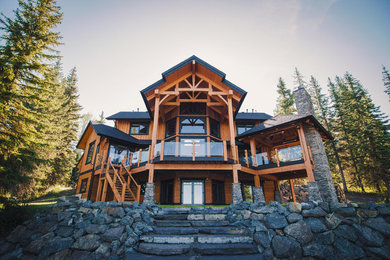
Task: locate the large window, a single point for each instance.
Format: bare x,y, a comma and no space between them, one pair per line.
90,152
193,125
139,129
241,128
193,108
214,128
117,153
170,128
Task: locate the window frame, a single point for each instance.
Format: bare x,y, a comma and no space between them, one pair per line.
218,129
203,118
83,185
166,127
246,125
139,123
91,144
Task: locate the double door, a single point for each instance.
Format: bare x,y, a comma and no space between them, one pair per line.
192,192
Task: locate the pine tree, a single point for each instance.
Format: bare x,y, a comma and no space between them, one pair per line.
285,101
386,80
101,118
299,81
27,54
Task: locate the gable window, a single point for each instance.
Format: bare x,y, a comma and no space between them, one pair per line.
83,185
193,108
90,152
170,128
139,129
241,128
193,125
215,128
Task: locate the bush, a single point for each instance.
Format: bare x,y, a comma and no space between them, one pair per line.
12,214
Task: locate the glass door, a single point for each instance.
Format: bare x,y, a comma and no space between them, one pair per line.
192,192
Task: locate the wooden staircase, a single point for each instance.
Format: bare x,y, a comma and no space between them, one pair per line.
122,183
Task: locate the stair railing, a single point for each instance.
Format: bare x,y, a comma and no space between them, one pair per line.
112,181
131,180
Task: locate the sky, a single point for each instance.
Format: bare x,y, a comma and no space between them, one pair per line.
120,47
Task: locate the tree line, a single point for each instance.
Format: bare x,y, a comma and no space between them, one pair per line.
359,154
39,107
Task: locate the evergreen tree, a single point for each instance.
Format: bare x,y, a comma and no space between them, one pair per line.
101,118
299,81
285,101
386,80
27,54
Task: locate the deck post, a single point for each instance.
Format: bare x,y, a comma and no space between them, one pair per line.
253,151
231,126
292,190
278,196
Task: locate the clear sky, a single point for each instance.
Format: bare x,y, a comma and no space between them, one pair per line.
120,47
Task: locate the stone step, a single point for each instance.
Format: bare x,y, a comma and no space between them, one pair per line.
201,249
206,223
164,249
189,239
202,230
226,249
171,217
172,223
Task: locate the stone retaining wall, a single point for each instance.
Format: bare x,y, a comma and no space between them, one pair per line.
86,230
317,230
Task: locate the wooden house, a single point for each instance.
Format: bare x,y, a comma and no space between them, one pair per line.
193,146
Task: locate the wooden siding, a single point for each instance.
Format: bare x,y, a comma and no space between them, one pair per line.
81,178
269,191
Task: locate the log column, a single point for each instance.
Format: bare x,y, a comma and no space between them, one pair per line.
149,189
236,190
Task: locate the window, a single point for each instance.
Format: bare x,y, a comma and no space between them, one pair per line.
170,128
83,185
214,128
139,129
90,152
117,153
193,108
243,128
194,125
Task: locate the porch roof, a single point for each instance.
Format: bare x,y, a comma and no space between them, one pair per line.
284,120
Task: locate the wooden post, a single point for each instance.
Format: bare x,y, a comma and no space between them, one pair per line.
292,190
277,157
99,190
162,150
235,175
155,119
257,181
231,126
305,152
246,158
193,150
150,155
224,150
131,159
123,192
151,175
104,194
253,151
139,157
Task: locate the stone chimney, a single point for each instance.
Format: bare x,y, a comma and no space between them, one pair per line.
323,187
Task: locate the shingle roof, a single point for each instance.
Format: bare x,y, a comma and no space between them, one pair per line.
282,120
130,115
113,133
182,64
252,116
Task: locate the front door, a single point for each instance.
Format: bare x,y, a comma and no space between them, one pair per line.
166,192
192,192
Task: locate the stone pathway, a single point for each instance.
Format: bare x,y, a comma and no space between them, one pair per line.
196,232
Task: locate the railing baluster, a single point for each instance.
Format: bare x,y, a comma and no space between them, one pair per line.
277,157
193,150
224,150
139,156
246,158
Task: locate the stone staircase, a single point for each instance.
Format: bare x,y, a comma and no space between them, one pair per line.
196,231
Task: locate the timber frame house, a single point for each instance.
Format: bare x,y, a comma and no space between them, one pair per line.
193,146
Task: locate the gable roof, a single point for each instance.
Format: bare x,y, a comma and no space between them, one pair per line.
182,64
142,115
282,120
110,132
252,116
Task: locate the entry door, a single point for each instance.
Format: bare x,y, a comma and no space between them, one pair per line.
218,192
192,192
166,192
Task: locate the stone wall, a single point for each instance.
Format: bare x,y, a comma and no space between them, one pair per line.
100,230
317,230
80,230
